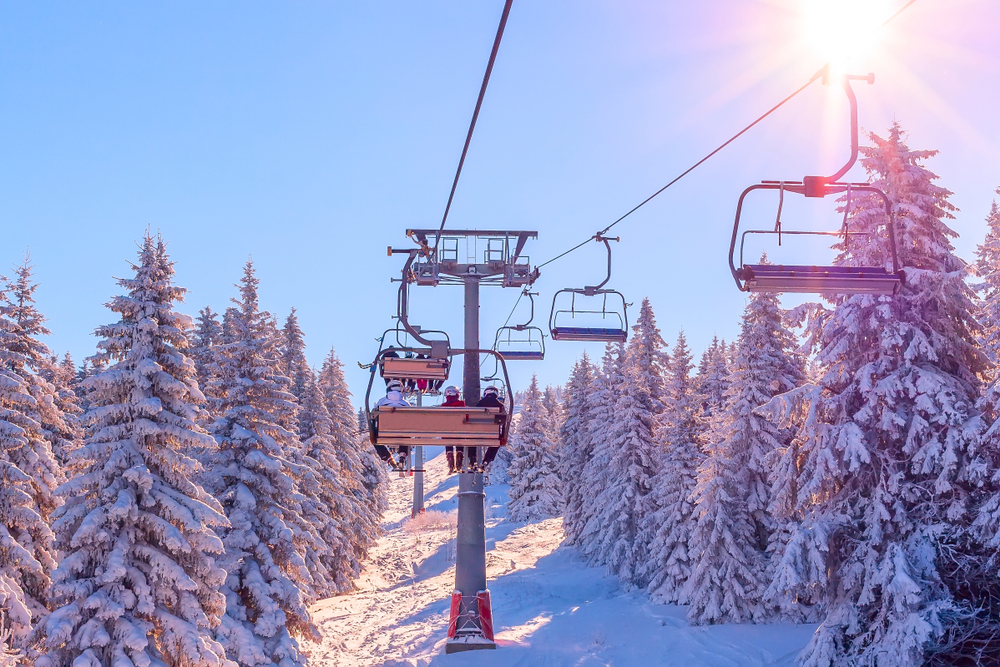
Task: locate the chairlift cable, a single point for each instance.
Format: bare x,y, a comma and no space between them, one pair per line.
475,116
736,136
688,170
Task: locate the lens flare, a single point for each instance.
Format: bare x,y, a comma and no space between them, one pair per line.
842,30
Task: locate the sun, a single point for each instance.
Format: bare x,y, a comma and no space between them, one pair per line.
841,30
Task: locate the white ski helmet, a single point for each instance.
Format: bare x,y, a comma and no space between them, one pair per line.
451,391
491,390
394,385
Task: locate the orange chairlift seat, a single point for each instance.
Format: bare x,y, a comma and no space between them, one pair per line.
588,323
430,363
392,428
819,279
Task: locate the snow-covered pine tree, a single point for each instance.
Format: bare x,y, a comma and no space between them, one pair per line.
139,584
733,527
342,559
668,520
30,421
632,456
604,394
206,336
988,269
23,531
886,441
67,436
362,469
711,381
974,637
648,351
293,356
535,488
268,580
553,410
575,446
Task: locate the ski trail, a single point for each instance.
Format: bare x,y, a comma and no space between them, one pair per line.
549,607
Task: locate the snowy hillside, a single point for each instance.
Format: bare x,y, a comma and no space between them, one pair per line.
550,608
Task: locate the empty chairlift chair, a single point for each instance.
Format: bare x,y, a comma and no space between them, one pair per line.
596,318
821,279
521,341
809,279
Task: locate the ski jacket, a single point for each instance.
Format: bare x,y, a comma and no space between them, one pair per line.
450,402
393,399
490,402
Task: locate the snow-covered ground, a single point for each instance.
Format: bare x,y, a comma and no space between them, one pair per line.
549,607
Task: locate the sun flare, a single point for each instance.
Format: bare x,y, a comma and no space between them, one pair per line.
842,30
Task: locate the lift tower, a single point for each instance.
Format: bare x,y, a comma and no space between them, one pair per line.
489,257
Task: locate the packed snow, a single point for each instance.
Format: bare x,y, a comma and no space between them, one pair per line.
550,608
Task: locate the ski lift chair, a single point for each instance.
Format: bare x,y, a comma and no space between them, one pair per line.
521,341
588,322
779,278
819,279
392,430
431,364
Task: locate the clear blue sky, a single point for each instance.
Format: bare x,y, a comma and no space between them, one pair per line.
311,134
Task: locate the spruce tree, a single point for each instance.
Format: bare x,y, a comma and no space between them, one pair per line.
711,381
139,583
344,553
632,460
733,528
668,521
535,488
24,579
30,422
293,356
553,409
206,337
988,269
575,447
887,440
362,469
65,437
648,352
604,393
268,580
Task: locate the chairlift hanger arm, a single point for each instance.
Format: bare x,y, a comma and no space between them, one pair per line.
815,186
402,302
590,290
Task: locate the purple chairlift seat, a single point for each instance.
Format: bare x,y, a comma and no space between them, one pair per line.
776,278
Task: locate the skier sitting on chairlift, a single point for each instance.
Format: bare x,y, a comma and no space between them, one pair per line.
394,399
490,399
452,400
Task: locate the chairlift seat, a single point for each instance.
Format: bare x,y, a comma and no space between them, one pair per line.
527,355
403,368
458,427
589,334
777,278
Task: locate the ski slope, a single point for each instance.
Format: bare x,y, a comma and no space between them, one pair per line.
549,607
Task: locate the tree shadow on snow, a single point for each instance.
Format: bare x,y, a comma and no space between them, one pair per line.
546,591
